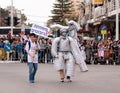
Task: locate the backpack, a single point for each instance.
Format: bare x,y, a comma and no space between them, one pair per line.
59,43
29,44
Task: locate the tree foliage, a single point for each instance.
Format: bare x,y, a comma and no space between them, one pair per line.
4,13
61,8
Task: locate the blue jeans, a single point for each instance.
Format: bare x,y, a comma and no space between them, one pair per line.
32,71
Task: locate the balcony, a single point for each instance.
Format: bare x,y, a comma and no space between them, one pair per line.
100,11
113,7
107,10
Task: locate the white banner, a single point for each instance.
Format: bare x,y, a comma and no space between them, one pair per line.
40,30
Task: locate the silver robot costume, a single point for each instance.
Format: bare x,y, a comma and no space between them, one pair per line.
73,28
66,52
61,51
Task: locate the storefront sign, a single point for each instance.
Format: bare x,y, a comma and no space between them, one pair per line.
103,32
97,1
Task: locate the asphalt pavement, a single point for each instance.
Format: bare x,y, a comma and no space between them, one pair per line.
99,79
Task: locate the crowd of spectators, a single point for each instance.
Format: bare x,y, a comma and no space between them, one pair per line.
101,52
13,48
93,51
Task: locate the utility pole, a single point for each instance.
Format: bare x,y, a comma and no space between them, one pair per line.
21,21
0,16
117,19
11,17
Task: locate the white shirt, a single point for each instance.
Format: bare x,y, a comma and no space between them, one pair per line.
31,51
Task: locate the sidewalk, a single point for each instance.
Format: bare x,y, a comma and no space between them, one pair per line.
9,61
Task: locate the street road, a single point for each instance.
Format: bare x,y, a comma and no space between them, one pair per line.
99,79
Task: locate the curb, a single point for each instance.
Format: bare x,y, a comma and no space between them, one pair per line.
10,62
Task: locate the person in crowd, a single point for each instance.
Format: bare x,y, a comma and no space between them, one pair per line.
115,51
88,50
95,52
106,52
82,48
42,51
101,53
7,47
32,58
14,50
118,52
1,43
48,51
24,39
20,50
110,62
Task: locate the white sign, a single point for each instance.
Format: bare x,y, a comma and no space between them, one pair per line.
40,30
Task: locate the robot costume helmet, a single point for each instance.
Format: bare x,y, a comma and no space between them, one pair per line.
73,25
63,31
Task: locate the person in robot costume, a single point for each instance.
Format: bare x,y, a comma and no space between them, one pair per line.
73,28
65,52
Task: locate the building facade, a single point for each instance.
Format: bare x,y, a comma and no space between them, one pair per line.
101,13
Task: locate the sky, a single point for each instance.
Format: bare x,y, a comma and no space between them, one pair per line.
37,11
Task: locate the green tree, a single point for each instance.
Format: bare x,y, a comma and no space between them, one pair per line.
61,8
6,13
3,14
